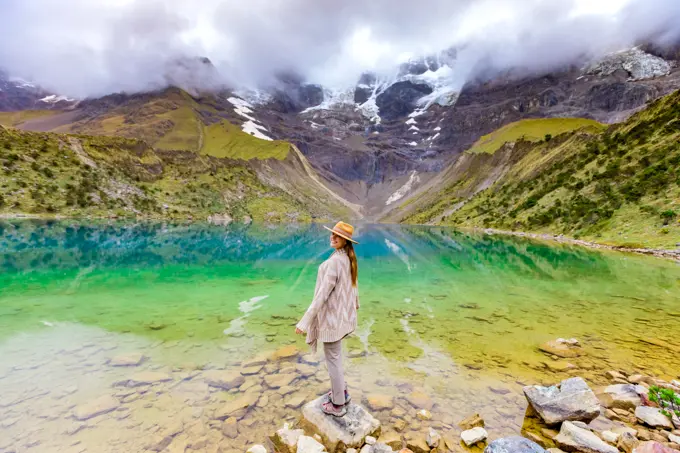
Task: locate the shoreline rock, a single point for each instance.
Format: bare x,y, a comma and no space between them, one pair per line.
571,400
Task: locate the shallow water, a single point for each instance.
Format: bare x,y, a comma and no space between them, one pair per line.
452,315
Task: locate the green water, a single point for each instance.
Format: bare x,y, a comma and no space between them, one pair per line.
440,309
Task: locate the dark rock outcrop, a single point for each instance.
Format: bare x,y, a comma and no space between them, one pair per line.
400,99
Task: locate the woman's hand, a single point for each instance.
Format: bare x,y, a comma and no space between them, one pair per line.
298,331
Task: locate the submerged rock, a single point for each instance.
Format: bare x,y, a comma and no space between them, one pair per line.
513,444
257,449
223,379
339,433
148,378
474,435
653,417
566,349
574,438
237,408
472,421
379,402
132,359
433,438
100,406
571,400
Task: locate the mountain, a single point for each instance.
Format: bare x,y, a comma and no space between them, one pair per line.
18,94
380,143
234,176
617,184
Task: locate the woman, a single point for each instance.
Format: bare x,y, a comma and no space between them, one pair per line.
333,312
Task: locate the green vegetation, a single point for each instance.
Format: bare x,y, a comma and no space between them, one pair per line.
620,186
77,175
532,130
13,119
224,139
667,399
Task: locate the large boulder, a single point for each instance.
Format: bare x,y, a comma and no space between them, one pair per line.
653,417
513,444
339,433
574,438
621,396
571,400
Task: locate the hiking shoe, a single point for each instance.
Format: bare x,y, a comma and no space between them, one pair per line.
331,409
347,397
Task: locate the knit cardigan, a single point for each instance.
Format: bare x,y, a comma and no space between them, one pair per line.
332,314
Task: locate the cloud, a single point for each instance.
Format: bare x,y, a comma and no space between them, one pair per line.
94,47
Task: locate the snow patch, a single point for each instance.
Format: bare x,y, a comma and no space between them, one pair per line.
244,108
411,121
254,97
438,128
53,99
413,143
252,128
413,128
403,190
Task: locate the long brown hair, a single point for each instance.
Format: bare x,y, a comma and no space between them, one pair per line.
353,266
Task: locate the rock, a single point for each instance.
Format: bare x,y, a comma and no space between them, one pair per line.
627,442
555,450
148,378
473,421
400,425
223,379
610,436
308,444
286,352
132,359
230,428
379,402
340,432
75,428
615,375
571,400
424,414
370,440
420,400
474,435
305,370
433,438
653,447
379,448
559,366
417,445
653,417
561,349
238,407
620,396
252,370
513,444
296,401
536,438
100,406
256,449
549,433
285,440
673,438
573,438
391,439
276,381
639,378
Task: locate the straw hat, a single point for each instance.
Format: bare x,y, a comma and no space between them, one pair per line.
344,230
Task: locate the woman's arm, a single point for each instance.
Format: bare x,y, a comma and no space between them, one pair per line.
326,286
356,291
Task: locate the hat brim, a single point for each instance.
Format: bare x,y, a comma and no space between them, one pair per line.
340,234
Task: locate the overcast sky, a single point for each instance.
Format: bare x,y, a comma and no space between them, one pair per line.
93,47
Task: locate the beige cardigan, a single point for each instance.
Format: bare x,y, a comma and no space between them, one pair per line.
333,312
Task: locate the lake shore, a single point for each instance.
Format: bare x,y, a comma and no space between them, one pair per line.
660,253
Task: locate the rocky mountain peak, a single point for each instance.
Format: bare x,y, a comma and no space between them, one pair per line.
639,65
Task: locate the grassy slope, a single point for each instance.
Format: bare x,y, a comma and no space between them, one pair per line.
13,119
77,175
533,130
224,139
620,186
